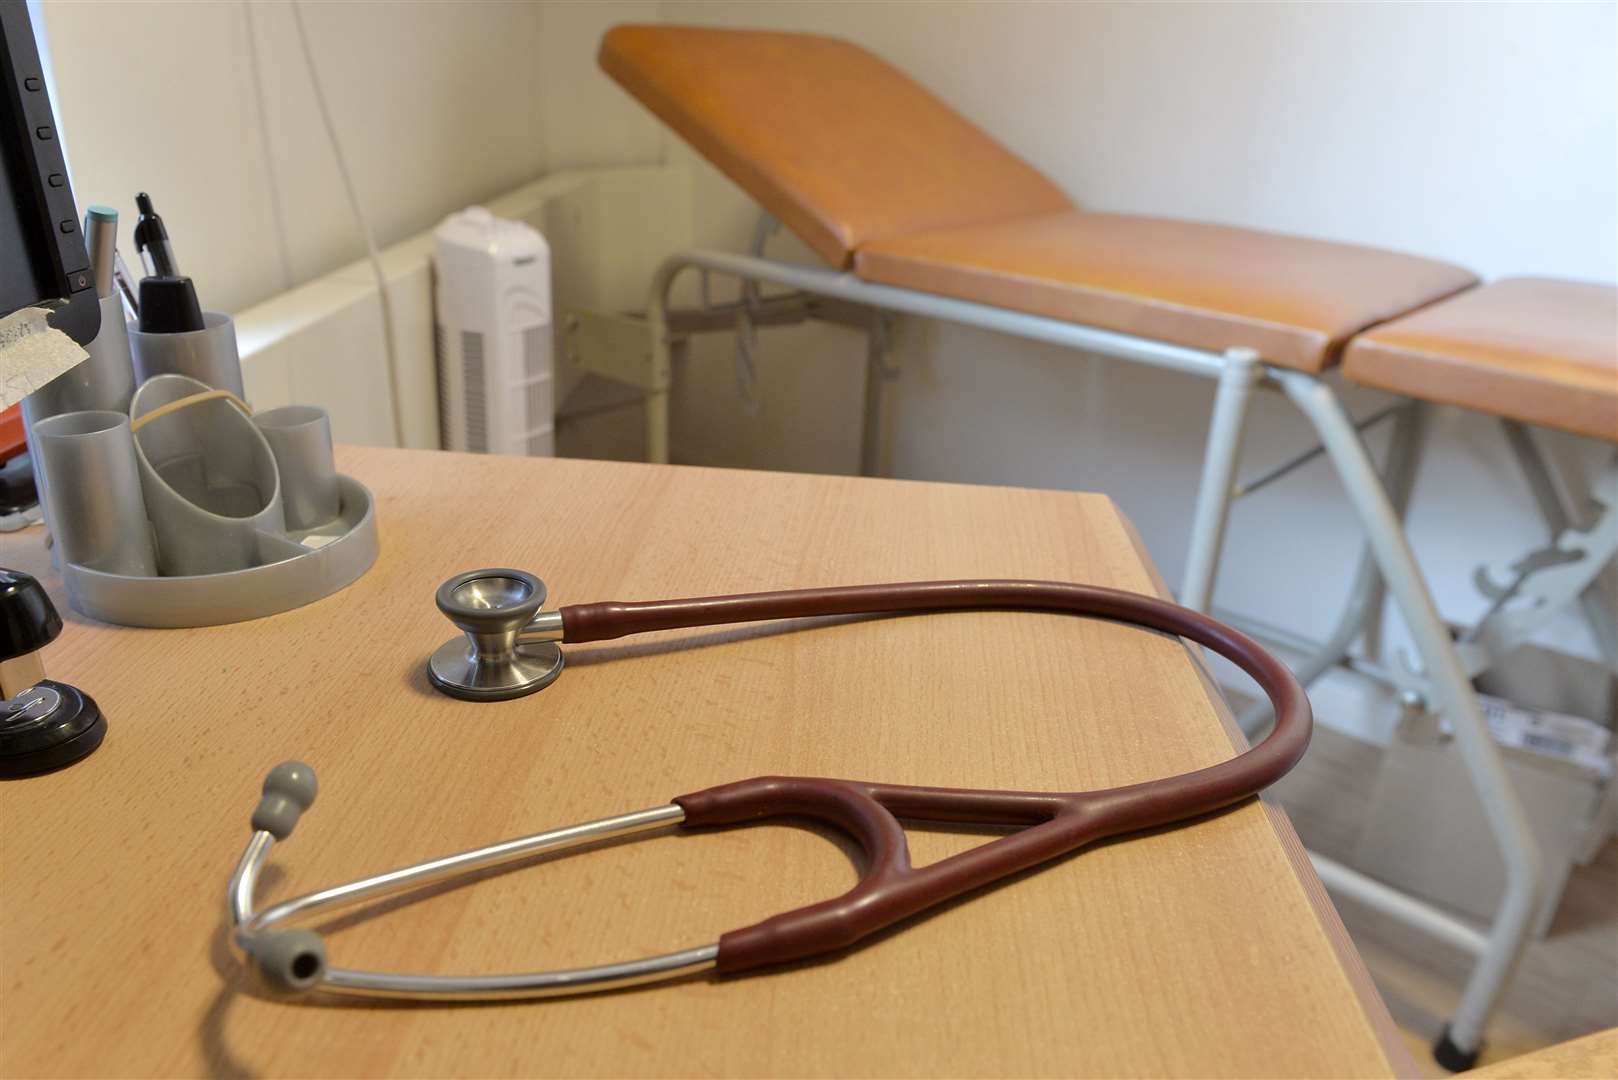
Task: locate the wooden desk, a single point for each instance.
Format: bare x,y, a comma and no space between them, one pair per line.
1206,951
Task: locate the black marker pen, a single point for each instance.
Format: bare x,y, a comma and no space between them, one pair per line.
152,240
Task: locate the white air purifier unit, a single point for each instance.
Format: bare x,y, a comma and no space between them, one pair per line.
496,382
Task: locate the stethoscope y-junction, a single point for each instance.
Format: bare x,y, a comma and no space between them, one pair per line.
510,648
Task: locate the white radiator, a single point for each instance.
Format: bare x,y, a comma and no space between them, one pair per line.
494,344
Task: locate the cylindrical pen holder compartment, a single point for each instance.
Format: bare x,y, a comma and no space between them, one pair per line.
94,493
207,355
300,438
103,380
213,491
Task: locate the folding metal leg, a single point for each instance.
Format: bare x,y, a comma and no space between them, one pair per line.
1405,449
1241,374
657,427
657,396
1453,695
1362,611
877,373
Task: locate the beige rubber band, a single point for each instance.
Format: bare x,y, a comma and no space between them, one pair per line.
206,395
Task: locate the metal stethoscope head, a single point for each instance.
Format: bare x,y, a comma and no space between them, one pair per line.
508,646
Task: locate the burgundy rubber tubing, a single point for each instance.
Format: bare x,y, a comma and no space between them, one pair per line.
1056,822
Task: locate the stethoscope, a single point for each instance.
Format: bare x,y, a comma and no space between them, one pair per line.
510,648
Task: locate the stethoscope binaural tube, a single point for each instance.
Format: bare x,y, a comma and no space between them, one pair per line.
500,607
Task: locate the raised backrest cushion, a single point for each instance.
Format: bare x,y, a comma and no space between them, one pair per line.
839,145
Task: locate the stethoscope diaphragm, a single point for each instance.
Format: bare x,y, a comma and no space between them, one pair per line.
46,727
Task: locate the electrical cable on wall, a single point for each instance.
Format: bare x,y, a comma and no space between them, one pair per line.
359,216
277,203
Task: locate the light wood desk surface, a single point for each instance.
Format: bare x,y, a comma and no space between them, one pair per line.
1202,951
1592,1057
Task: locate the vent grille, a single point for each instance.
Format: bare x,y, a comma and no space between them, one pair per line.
442,367
535,357
539,404
477,408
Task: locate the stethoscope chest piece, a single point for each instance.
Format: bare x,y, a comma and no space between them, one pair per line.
457,670
44,725
503,652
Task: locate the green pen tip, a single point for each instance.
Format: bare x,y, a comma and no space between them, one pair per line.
103,213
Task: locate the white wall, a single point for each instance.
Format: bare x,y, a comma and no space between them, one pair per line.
1484,134
208,107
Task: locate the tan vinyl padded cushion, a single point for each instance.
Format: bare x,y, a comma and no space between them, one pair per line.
1212,287
840,146
1531,349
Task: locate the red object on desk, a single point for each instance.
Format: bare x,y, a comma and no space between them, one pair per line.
12,442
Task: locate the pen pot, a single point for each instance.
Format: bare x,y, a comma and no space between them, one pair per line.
207,355
300,438
93,491
212,489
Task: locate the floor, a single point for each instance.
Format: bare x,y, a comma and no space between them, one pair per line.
1568,983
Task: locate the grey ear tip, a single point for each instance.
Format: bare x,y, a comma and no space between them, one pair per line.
293,780
290,961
